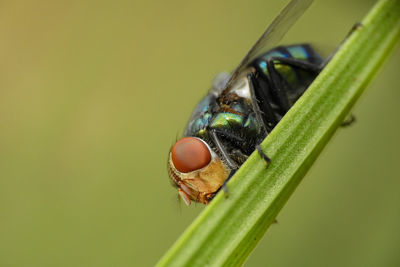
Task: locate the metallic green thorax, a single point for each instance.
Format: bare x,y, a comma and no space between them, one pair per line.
227,119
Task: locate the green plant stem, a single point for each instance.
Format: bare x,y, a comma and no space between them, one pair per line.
230,227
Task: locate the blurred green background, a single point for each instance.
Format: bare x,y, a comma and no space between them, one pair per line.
94,93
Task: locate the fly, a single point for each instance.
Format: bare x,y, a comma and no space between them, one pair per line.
241,109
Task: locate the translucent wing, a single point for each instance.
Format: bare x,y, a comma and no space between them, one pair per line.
272,35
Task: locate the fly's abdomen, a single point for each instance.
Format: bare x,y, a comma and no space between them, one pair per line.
295,76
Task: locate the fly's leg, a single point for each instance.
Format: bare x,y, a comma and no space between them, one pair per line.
263,110
279,86
233,171
268,111
348,121
215,133
231,163
262,154
235,156
224,186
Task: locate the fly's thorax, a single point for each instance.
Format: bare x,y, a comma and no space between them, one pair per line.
204,111
196,181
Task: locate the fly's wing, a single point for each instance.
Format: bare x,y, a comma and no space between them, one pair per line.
272,35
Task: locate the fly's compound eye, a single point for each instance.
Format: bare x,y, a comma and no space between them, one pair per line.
190,154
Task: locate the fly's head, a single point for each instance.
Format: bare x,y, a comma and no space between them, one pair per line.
196,170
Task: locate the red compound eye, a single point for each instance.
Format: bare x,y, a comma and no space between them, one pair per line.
190,154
